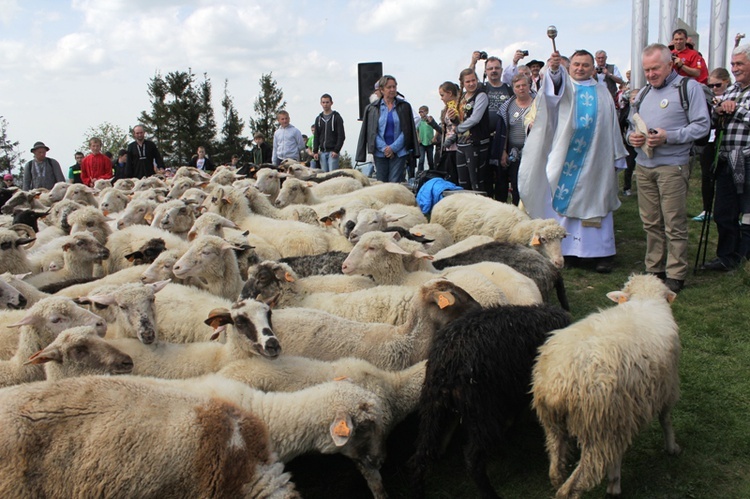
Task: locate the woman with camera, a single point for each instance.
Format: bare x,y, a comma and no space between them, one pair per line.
512,113
473,134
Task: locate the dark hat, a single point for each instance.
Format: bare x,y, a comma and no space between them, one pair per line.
37,145
534,61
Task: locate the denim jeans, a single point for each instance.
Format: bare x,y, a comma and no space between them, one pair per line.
328,163
390,169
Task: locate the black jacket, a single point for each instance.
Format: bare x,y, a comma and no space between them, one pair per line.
329,135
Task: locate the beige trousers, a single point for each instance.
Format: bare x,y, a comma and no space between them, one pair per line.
662,203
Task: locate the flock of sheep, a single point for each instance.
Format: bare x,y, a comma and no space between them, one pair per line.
249,321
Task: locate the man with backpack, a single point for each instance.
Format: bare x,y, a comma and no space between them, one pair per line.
662,176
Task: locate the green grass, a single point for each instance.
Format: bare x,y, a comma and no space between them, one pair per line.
712,419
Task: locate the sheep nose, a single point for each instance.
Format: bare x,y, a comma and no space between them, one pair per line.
125,366
22,301
272,348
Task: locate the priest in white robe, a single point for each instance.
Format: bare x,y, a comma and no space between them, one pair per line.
569,166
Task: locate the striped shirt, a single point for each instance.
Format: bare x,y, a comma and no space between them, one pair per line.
737,128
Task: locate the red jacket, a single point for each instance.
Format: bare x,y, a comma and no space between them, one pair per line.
94,167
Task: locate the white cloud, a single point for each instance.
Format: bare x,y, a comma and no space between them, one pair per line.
8,10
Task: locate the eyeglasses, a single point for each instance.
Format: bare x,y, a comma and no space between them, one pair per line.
714,85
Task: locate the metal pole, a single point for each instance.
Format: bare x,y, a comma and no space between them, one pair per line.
718,36
667,20
689,14
638,41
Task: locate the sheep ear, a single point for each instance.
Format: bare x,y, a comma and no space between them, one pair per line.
341,429
105,300
618,296
396,236
192,235
230,246
288,277
218,317
159,285
326,221
46,355
27,319
671,296
217,332
535,240
132,256
391,247
445,299
394,218
423,255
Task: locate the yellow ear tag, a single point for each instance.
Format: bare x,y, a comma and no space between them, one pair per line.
418,234
445,300
149,217
341,429
622,299
288,277
535,241
340,378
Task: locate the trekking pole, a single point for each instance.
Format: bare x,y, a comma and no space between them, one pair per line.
706,225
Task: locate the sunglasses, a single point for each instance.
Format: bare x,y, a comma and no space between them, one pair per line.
714,85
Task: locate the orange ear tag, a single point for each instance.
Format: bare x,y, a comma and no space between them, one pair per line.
341,429
535,241
622,299
340,378
288,277
418,234
445,300
105,213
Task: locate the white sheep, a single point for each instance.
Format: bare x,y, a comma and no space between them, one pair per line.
129,309
385,258
132,437
179,186
250,334
80,252
212,224
80,351
81,194
10,297
603,379
467,214
175,217
112,200
124,184
137,212
56,194
92,220
31,293
260,204
129,274
288,237
194,196
390,215
126,241
268,181
39,326
295,192
13,244
212,261
461,246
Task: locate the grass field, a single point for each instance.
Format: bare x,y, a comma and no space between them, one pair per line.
712,419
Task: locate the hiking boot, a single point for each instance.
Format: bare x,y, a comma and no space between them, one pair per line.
661,275
717,265
674,285
605,265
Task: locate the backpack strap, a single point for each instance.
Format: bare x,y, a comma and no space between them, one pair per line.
639,98
684,101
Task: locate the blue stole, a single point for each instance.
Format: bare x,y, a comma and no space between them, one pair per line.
584,128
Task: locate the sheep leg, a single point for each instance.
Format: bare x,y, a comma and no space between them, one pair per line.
476,464
374,480
613,487
665,419
557,450
586,475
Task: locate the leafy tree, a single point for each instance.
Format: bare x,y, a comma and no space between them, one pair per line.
345,160
10,156
267,105
113,137
181,117
232,141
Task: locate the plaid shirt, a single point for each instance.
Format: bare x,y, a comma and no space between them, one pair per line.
737,129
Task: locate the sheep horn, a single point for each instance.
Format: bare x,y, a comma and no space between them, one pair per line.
25,230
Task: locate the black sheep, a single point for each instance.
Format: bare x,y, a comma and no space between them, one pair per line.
479,371
525,260
29,217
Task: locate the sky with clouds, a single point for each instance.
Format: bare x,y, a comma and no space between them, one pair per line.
69,65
